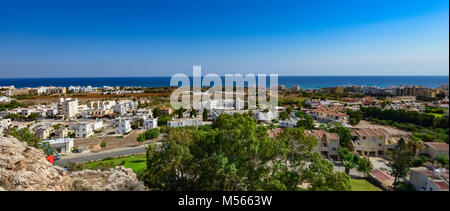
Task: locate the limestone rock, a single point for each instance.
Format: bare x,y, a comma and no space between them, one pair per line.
25,168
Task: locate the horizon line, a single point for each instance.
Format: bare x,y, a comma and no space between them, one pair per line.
159,76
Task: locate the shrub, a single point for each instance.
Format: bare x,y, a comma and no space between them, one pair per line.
417,161
149,134
103,144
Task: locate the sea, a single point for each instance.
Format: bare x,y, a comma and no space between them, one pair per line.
305,82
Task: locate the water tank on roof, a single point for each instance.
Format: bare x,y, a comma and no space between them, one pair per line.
437,172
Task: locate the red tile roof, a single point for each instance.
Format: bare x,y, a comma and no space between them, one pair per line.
443,147
319,134
381,175
274,132
443,185
369,132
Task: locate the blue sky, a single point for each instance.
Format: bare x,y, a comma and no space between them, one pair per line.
160,38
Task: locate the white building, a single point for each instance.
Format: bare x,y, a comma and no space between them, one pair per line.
4,125
84,130
5,99
84,89
52,112
150,123
266,116
370,142
185,122
123,126
26,112
97,125
288,123
62,145
68,107
424,179
43,132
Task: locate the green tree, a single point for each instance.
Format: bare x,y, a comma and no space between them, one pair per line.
193,113
442,159
148,134
141,122
289,109
284,115
364,165
27,136
348,160
180,112
235,154
345,137
164,119
56,127
156,112
415,145
205,114
306,122
355,117
400,162
33,116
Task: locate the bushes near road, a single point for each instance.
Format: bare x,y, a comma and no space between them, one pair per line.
149,134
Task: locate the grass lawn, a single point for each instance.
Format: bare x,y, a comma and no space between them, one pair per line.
436,115
135,162
362,185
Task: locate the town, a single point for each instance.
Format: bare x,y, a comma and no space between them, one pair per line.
358,128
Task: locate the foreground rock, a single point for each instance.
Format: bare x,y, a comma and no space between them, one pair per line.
118,178
25,168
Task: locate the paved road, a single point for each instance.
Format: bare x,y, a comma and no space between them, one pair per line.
101,155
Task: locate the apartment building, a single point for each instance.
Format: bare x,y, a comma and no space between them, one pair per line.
68,107
60,133
43,132
185,122
123,126
328,143
97,125
150,123
325,115
84,130
262,116
56,90
61,145
83,89
26,111
370,141
52,112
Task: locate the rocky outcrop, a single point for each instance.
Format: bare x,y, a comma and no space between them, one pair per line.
118,178
25,168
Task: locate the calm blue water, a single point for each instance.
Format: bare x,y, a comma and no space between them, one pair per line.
305,82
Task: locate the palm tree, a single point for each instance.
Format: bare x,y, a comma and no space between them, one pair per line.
415,145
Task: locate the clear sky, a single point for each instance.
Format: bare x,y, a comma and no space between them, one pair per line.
159,38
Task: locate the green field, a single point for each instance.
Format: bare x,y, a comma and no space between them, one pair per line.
362,185
135,162
436,115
